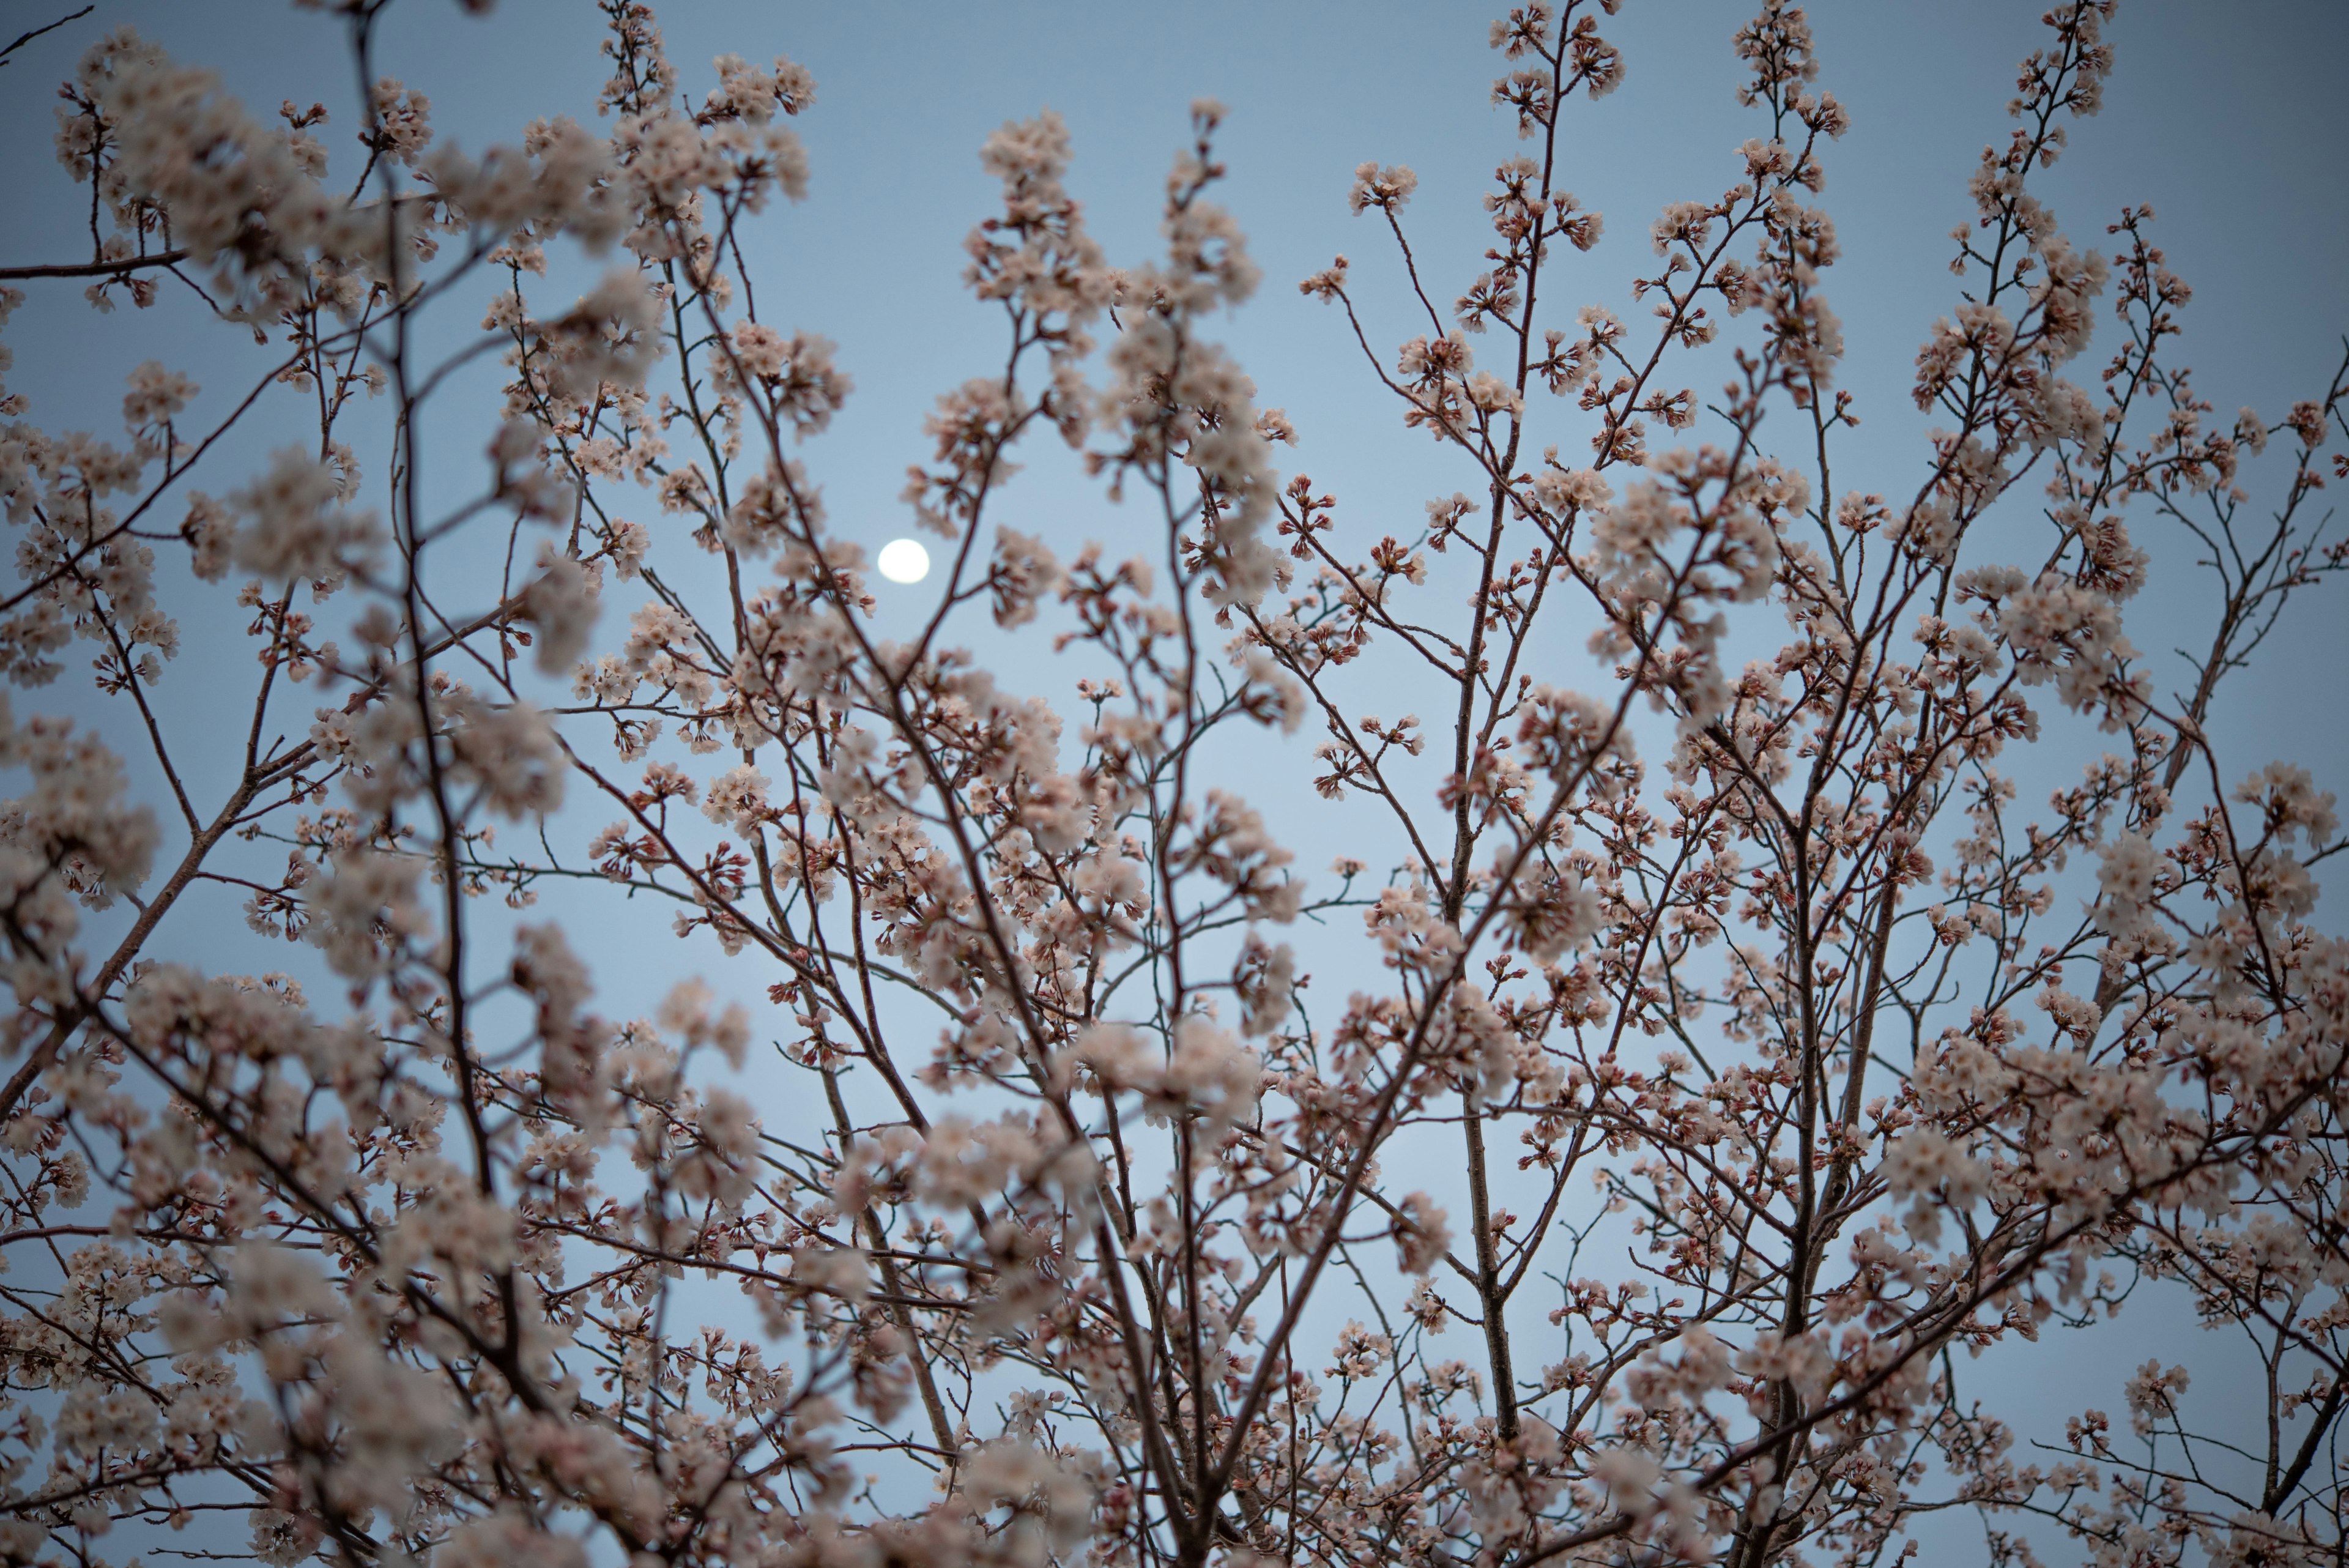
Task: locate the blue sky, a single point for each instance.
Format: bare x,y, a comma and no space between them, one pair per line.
2222,119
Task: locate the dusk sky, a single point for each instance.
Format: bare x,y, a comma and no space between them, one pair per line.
2228,129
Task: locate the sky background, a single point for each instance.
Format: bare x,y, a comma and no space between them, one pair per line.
2226,120
2229,120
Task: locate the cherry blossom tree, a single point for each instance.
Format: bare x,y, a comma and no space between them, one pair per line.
1057,1193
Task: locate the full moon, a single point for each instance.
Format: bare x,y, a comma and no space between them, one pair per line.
905,561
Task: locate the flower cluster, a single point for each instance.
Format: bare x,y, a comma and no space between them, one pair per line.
1686,1060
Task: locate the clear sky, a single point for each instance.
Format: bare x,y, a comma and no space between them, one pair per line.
2228,119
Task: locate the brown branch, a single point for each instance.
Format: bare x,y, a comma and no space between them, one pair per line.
96,268
27,37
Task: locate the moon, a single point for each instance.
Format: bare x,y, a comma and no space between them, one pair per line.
905,561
